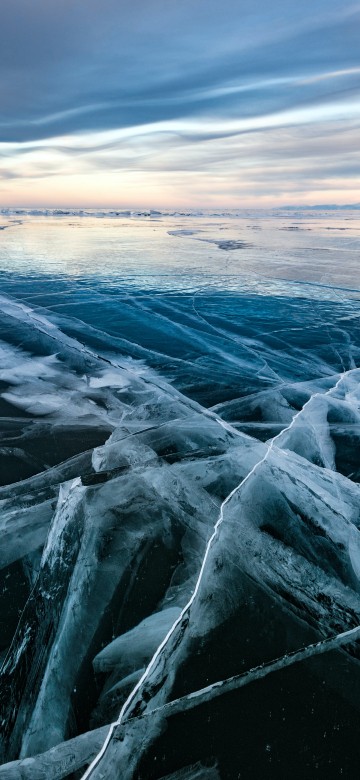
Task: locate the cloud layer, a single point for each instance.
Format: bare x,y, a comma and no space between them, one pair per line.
132,103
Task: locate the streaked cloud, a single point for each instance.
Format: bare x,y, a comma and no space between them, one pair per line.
142,104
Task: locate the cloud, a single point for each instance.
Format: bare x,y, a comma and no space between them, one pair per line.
82,65
164,85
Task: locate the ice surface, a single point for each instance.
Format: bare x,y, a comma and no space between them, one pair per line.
196,772
138,645
180,511
59,762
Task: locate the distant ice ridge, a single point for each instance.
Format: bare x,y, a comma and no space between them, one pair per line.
113,213
156,214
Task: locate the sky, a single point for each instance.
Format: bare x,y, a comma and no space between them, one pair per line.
179,103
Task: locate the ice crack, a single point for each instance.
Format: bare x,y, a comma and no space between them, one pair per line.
260,671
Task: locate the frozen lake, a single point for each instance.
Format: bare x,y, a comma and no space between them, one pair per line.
180,430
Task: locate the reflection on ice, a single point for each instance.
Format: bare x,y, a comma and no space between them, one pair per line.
181,529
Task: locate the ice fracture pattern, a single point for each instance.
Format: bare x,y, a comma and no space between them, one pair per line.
180,484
